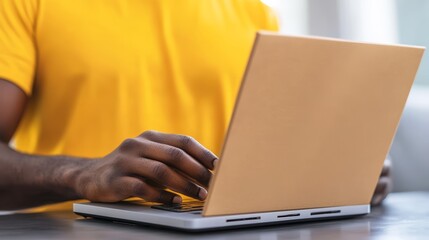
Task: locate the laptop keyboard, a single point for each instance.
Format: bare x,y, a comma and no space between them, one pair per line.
185,206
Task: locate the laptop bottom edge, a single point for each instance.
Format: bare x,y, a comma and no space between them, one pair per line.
192,222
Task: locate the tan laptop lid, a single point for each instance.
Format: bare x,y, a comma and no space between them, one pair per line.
312,125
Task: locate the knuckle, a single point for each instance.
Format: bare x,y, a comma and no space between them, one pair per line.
186,140
176,153
120,162
160,171
148,134
128,144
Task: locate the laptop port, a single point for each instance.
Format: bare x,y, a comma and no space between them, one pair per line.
326,212
289,215
242,219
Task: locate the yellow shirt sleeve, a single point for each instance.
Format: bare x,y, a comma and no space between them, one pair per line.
17,47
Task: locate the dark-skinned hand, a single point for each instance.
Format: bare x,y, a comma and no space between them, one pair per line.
145,167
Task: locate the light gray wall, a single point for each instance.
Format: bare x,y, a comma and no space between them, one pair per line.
413,24
323,18
410,148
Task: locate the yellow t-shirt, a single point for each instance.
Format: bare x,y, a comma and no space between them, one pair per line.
100,71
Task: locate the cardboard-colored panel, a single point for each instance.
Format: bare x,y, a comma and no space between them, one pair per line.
312,125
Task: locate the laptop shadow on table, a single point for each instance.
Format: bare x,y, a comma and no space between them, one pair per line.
299,230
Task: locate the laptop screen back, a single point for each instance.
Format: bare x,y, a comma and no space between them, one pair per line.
312,125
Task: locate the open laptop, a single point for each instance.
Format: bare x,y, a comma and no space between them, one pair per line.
312,125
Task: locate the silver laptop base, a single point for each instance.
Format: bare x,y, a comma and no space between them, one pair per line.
194,221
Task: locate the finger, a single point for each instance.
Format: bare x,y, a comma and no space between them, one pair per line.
381,185
186,143
164,175
386,168
148,181
377,199
381,191
178,159
137,188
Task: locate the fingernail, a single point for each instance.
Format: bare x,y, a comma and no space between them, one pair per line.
202,194
215,162
177,199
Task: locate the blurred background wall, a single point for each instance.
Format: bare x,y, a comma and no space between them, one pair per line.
384,21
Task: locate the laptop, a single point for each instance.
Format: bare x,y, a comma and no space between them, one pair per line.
312,125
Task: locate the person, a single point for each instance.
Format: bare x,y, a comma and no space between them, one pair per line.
101,98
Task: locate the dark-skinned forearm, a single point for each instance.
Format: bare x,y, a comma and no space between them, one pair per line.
27,180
